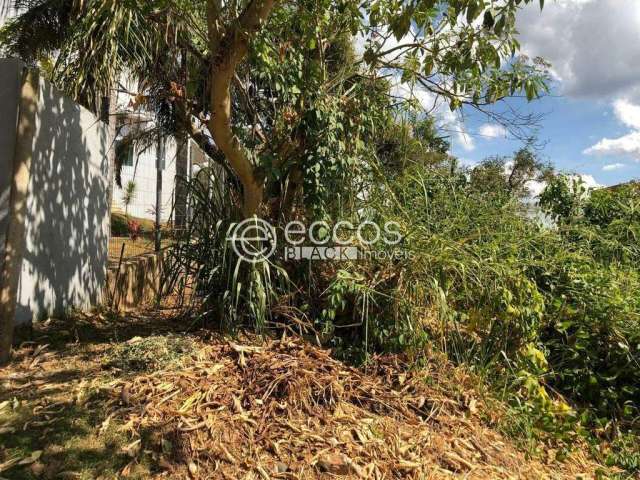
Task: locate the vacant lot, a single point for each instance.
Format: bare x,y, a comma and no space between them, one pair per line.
101,396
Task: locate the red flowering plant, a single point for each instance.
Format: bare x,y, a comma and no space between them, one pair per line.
135,229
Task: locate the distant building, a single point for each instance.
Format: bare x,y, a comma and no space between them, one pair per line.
135,195
633,183
139,168
6,11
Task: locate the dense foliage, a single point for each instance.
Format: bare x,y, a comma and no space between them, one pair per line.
302,126
551,313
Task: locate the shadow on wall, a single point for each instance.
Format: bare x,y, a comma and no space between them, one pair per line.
66,224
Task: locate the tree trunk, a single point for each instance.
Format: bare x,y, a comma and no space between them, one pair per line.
229,50
15,241
229,144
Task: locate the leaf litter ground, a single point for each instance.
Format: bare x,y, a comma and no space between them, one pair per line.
208,406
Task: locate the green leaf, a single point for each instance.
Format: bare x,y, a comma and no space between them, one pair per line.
488,19
472,12
500,25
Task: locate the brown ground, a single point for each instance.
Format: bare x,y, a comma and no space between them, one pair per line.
72,407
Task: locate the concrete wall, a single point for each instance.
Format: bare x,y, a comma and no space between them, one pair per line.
10,78
67,215
138,282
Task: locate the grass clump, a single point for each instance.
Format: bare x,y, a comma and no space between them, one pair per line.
150,354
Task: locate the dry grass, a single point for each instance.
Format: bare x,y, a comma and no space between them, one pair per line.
286,409
242,408
134,248
54,422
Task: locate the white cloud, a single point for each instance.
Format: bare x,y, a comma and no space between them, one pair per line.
626,145
589,181
465,141
535,187
359,44
448,121
592,44
627,113
426,99
492,130
385,41
593,48
613,166
467,162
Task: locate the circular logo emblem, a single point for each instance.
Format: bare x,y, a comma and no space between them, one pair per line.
253,240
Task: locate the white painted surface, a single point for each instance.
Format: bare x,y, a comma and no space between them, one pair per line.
143,174
6,11
67,221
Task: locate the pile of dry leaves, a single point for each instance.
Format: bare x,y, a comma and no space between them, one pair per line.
286,409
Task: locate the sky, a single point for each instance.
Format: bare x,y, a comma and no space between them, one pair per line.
591,120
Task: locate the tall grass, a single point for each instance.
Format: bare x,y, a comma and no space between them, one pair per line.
203,272
535,309
544,314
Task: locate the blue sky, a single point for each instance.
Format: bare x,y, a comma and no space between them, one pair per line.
568,128
591,122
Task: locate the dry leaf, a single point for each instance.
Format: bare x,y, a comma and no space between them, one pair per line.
31,459
37,469
336,464
132,449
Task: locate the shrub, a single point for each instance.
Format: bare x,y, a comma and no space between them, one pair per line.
491,286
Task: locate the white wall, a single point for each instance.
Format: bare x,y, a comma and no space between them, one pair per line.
6,11
143,174
67,217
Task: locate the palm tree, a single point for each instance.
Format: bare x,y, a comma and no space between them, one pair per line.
94,43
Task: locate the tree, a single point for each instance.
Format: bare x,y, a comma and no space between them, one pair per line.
563,198
273,90
510,175
410,140
196,62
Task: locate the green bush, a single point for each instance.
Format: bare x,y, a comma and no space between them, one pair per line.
119,225
545,311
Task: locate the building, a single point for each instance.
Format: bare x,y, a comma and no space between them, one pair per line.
6,11
152,171
136,192
632,184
